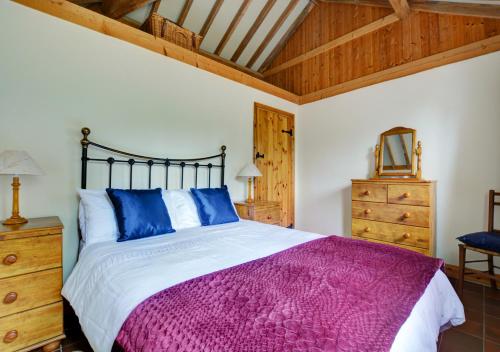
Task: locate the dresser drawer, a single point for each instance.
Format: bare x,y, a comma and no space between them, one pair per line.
268,216
414,249
409,194
30,327
393,213
28,291
402,234
369,192
26,255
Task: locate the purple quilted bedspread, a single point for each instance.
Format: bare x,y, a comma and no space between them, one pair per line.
330,294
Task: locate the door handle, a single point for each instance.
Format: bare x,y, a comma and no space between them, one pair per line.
290,132
258,155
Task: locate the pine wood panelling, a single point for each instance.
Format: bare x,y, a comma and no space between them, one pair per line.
421,35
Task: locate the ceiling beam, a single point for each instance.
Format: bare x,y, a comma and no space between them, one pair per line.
119,8
401,8
184,12
85,2
371,27
443,7
210,19
230,63
251,32
289,33
284,15
234,23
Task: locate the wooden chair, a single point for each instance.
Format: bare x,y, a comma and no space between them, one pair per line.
486,242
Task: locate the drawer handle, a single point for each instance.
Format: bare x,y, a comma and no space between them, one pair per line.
406,215
10,259
269,217
368,211
406,195
406,235
367,229
10,336
10,297
367,193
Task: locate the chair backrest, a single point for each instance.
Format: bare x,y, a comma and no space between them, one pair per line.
491,210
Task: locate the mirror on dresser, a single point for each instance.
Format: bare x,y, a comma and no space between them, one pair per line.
398,154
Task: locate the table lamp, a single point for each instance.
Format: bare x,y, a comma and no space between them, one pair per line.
250,171
15,163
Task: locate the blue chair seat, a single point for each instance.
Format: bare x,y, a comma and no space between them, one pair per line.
489,241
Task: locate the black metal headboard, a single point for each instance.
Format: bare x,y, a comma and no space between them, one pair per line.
119,157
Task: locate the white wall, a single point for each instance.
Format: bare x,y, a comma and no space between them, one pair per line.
56,77
456,112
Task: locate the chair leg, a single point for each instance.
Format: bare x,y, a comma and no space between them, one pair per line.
461,270
491,271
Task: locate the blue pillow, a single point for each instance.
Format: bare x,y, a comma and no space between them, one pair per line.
214,206
489,241
140,213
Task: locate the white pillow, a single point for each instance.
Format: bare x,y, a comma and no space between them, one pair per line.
181,208
97,218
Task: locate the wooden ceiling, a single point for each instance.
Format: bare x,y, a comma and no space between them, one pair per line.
302,50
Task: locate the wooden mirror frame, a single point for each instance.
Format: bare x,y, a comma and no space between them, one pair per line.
415,151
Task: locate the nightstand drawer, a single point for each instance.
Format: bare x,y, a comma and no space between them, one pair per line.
369,192
392,213
30,327
21,256
28,291
409,194
407,235
268,216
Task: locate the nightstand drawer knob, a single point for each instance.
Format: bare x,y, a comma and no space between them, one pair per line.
406,195
10,336
10,297
269,217
10,259
368,211
406,235
406,215
367,193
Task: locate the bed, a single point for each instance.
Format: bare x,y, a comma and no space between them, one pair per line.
112,279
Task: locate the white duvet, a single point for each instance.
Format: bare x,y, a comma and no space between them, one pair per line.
112,278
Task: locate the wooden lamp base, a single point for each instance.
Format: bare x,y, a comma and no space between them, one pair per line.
15,219
249,198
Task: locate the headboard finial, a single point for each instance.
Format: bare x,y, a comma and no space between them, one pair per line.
223,148
85,132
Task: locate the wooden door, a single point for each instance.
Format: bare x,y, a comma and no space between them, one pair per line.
274,140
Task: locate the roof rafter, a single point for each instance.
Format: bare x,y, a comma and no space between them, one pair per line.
284,15
234,23
401,7
251,32
184,12
119,8
289,33
210,19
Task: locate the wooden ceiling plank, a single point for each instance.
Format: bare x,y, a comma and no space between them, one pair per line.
442,7
401,8
210,19
119,8
270,35
234,23
251,32
380,23
184,12
288,34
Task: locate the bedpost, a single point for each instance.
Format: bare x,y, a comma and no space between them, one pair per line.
85,144
223,164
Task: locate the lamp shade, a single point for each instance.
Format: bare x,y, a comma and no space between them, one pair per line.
250,170
18,162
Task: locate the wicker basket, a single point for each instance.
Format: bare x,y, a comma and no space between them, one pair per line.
163,28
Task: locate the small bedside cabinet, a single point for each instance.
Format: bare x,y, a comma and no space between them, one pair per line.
31,309
267,212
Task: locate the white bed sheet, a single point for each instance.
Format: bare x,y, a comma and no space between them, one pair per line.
112,278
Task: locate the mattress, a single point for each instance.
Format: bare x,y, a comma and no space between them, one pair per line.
112,278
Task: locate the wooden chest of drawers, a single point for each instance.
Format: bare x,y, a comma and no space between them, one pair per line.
396,212
267,212
31,310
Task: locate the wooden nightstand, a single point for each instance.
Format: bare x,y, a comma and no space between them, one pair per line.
31,309
263,211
